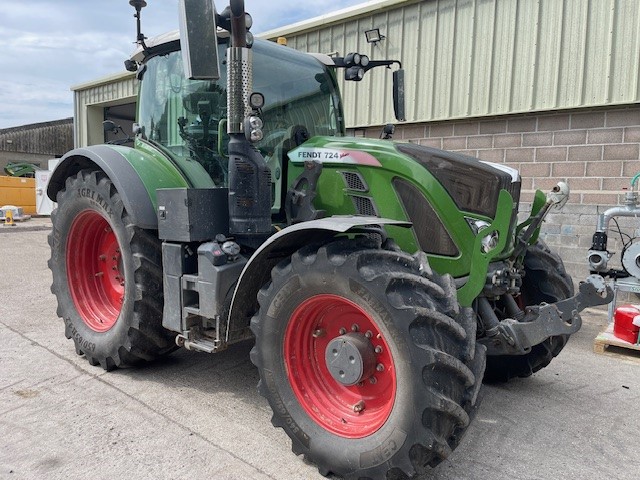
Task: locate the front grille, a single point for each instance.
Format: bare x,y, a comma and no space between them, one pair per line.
429,229
473,185
364,206
354,181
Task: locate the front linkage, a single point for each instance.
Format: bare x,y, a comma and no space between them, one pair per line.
517,337
522,330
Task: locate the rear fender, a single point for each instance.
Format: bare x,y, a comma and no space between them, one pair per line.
135,174
279,246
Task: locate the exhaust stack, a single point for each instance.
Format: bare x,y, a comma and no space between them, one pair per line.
249,176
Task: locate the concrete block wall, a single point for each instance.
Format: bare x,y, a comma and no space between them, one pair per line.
596,152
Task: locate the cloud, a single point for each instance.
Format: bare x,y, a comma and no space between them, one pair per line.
46,47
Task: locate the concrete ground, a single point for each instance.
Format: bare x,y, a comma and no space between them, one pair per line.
199,416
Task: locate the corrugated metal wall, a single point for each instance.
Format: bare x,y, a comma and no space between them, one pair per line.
489,57
107,92
48,138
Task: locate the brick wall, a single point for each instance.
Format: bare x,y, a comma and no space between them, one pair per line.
596,152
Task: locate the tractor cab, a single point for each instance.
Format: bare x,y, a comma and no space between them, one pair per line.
187,119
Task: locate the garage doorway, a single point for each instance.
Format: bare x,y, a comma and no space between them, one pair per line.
122,115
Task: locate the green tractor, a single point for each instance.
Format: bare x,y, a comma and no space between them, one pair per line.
380,281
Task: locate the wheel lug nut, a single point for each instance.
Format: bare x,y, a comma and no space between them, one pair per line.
380,367
373,380
320,332
358,407
354,328
378,349
342,331
368,334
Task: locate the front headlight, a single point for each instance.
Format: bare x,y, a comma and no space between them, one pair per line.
489,242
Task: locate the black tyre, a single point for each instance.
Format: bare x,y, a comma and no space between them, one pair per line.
545,280
107,276
367,360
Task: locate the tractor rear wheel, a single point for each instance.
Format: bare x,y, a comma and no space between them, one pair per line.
107,276
545,280
366,358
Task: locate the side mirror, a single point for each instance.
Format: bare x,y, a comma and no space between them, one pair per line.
398,94
198,39
109,126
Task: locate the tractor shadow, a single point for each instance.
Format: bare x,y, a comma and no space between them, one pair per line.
229,371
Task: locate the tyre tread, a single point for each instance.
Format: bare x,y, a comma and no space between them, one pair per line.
146,338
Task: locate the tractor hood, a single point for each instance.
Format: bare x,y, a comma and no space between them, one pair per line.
473,184
454,202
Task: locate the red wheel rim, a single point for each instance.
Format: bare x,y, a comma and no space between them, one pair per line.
332,405
94,271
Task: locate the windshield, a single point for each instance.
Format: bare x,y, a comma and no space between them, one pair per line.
187,118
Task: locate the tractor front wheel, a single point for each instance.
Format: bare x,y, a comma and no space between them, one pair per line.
107,276
366,358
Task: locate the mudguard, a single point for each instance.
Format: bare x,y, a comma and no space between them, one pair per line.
135,174
257,272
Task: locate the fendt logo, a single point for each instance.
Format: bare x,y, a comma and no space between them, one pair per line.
331,155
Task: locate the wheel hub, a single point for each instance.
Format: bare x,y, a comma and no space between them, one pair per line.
350,358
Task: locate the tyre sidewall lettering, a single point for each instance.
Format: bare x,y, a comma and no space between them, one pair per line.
279,406
97,200
385,451
284,295
85,345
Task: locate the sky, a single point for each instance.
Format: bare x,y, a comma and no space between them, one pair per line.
48,46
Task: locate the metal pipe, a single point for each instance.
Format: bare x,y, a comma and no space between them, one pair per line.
513,310
240,73
238,24
629,209
488,316
239,85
